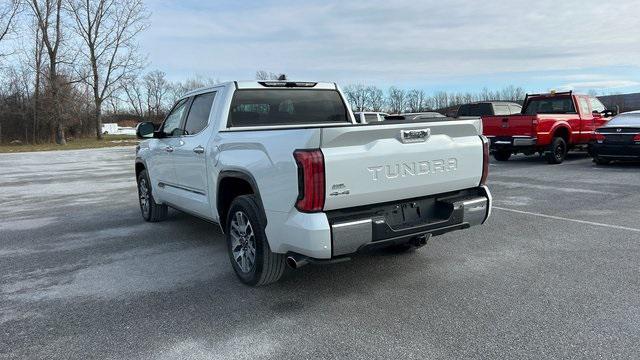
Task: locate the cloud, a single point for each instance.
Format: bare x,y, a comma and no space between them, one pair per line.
385,42
600,84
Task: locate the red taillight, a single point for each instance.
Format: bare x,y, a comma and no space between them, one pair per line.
485,160
636,138
310,180
599,137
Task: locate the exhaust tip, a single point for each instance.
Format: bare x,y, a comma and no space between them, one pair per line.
291,262
296,261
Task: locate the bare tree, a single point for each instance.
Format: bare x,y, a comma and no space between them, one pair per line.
178,89
358,96
375,96
134,94
108,29
396,99
8,12
416,100
48,14
264,75
37,64
156,90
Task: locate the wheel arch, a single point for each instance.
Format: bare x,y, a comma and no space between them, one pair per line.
231,184
562,130
140,165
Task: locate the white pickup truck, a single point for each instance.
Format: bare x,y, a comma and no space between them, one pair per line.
292,179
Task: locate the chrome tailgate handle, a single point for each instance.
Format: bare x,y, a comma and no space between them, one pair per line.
198,150
168,149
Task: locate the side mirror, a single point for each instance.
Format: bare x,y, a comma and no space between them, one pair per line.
145,130
596,113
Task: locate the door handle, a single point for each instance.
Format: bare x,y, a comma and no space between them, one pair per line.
168,149
198,149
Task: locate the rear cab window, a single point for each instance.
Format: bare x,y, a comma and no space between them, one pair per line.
550,105
482,109
271,107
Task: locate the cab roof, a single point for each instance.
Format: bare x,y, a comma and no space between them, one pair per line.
266,84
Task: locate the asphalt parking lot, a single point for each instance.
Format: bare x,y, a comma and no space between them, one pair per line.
554,274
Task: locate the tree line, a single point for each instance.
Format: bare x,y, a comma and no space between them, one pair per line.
65,65
396,100
68,65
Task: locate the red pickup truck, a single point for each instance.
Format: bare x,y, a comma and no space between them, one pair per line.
550,124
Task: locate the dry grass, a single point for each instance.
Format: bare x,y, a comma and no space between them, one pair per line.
82,143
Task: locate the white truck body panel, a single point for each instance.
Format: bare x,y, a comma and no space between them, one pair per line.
371,164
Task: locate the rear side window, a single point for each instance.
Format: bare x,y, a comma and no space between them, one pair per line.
198,117
549,105
584,106
286,107
475,110
501,110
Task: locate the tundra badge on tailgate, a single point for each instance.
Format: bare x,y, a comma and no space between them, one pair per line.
414,136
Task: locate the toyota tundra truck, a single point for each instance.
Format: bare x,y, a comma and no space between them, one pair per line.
292,179
550,124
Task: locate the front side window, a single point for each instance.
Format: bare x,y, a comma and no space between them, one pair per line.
286,107
171,125
596,105
198,117
550,105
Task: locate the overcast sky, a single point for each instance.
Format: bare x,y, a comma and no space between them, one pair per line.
434,45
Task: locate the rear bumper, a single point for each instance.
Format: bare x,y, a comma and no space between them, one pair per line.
615,151
507,142
357,229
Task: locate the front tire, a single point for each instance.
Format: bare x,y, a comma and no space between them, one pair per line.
151,211
247,245
557,151
502,155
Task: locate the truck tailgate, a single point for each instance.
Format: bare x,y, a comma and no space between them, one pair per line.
379,163
518,125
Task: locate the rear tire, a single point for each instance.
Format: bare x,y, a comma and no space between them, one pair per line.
557,151
502,155
151,211
247,245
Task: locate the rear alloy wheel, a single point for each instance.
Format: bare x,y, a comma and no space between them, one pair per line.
502,155
251,257
557,151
